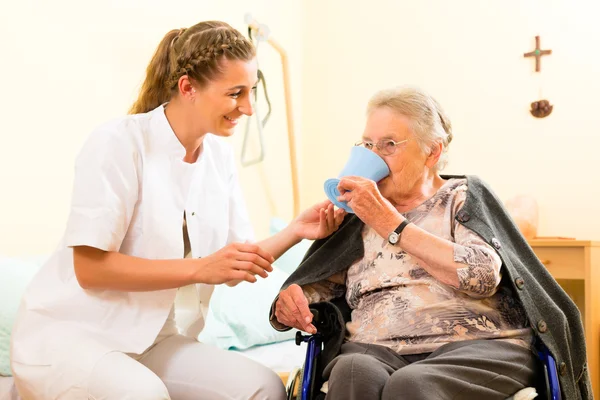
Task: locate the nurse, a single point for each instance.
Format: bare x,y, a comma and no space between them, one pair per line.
156,206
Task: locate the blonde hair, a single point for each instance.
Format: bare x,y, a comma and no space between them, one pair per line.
196,52
430,125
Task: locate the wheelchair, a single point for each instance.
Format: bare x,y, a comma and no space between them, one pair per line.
305,383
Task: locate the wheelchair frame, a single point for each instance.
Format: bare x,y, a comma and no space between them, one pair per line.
306,388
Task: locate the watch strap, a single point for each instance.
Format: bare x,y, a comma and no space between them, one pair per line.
401,227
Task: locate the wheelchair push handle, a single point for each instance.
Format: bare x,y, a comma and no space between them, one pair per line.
305,338
315,314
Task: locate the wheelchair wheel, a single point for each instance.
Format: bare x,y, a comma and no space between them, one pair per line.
298,388
293,384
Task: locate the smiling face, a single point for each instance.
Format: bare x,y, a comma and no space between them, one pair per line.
221,102
408,163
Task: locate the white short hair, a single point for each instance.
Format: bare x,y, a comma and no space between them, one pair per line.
429,123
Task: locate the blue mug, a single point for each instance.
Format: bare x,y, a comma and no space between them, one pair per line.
362,162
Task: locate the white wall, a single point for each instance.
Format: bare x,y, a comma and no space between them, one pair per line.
68,65
469,55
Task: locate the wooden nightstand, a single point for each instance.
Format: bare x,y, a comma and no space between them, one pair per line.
575,264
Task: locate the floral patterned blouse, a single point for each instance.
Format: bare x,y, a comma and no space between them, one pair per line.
398,304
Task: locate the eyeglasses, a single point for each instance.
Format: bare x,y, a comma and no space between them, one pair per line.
387,147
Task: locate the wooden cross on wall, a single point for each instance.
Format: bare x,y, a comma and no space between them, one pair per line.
538,53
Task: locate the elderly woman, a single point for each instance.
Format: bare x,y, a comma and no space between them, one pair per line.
445,296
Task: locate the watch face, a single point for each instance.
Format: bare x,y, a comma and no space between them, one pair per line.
393,238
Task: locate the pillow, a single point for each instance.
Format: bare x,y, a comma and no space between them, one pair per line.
238,317
290,260
15,275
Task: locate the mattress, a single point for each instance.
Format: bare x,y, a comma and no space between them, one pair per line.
280,357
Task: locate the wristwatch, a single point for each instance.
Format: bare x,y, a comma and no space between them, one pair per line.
394,237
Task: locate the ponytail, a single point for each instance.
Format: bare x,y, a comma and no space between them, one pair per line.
154,91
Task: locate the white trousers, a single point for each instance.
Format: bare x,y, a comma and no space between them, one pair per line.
178,368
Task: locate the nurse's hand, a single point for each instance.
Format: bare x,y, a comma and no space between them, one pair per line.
234,263
318,222
291,309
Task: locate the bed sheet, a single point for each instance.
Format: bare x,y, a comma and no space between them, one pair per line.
280,357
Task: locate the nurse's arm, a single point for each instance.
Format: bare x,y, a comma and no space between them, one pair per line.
281,242
316,222
275,246
108,270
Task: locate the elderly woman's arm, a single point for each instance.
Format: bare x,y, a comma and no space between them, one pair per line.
469,264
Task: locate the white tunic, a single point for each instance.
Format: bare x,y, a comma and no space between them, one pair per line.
131,191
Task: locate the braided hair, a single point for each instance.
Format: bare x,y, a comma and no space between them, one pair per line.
196,52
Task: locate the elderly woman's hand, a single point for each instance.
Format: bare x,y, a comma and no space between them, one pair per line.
363,196
291,309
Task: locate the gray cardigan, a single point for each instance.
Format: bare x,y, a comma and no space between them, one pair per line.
551,313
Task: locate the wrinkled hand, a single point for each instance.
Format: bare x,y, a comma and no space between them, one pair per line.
291,309
365,199
318,221
234,263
